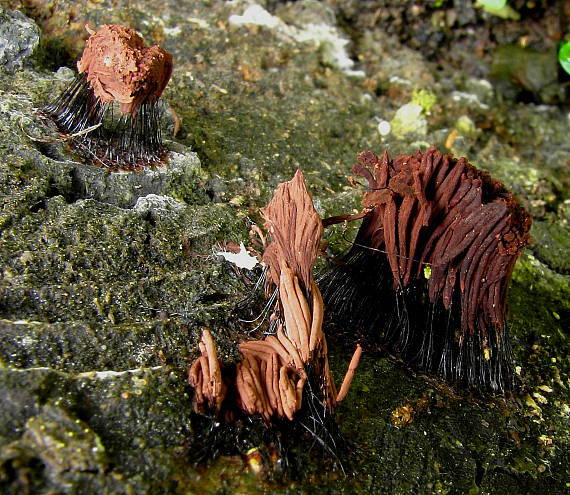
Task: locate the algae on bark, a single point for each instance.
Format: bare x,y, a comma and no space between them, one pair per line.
102,301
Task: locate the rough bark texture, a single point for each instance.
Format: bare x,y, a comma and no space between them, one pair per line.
107,279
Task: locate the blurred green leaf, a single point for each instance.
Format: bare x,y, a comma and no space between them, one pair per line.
564,56
493,4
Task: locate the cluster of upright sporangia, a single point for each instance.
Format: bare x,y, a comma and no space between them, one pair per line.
431,264
270,379
115,70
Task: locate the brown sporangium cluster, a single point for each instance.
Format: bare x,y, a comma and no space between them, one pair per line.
118,70
270,378
430,267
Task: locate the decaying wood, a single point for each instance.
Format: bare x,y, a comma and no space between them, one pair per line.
272,374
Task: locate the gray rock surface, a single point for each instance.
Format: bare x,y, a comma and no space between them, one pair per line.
19,37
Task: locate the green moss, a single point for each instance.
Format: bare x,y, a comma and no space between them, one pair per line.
425,98
52,53
67,435
86,249
551,244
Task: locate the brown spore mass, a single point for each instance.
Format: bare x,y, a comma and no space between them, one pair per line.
428,274
434,210
119,67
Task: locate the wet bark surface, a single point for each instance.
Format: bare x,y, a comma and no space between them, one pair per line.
109,278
